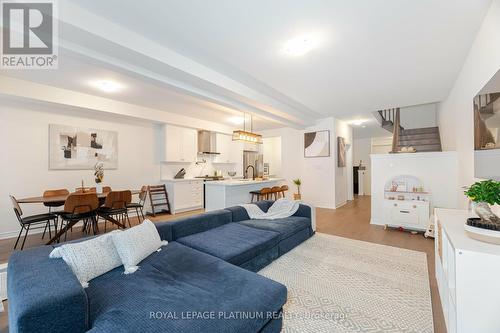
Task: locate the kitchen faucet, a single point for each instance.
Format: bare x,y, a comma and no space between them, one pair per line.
253,171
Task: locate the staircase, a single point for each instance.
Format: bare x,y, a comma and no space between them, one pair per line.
422,139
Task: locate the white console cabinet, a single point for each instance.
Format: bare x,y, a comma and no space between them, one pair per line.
467,274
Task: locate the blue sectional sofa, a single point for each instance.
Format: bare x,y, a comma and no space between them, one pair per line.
202,281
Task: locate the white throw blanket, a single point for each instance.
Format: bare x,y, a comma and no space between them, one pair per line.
280,209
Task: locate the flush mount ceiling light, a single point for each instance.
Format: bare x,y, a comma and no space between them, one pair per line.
244,136
300,45
107,85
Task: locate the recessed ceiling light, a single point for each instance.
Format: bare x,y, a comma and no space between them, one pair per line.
358,122
236,120
300,45
364,126
107,85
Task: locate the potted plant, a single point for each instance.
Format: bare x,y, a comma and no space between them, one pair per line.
99,176
297,196
483,194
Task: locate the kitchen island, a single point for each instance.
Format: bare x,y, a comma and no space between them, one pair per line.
226,193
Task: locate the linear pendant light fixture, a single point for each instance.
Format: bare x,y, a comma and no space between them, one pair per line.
243,135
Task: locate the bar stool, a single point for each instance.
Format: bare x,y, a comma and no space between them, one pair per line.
276,192
284,188
263,194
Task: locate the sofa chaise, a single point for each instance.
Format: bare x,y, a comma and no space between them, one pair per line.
202,281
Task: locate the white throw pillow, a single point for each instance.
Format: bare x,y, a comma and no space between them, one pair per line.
91,258
137,243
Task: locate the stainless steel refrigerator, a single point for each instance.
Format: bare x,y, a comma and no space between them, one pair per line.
256,160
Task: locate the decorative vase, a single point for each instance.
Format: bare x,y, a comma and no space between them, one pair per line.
98,188
483,210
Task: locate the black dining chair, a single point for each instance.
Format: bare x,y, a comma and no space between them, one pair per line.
115,206
32,222
51,205
79,207
139,206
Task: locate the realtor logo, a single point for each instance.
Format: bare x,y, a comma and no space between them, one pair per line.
29,35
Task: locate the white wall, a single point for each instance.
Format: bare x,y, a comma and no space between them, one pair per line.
343,176
455,114
24,165
272,154
318,175
419,116
437,170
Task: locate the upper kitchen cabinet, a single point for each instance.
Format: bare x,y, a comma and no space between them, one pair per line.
230,151
181,144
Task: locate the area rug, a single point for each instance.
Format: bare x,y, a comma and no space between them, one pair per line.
337,284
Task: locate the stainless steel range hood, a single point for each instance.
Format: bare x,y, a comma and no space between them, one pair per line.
207,143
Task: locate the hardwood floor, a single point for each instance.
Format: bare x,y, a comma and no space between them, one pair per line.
350,221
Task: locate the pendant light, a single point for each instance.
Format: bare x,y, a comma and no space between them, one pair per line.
243,135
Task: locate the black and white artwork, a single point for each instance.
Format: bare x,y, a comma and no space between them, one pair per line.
81,148
317,144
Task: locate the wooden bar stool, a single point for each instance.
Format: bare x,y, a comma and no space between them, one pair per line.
276,192
263,194
284,188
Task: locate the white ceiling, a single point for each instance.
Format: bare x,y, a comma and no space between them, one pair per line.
78,75
213,60
373,54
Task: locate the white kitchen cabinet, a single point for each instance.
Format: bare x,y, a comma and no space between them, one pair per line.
184,194
181,144
230,151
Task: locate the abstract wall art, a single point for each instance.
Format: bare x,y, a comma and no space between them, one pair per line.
341,152
78,148
317,144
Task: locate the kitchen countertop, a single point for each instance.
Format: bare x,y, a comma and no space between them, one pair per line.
172,180
242,182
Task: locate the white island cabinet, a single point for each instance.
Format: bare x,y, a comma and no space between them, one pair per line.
227,193
184,194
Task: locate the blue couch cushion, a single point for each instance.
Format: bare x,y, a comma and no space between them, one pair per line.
285,227
199,223
180,289
234,243
44,294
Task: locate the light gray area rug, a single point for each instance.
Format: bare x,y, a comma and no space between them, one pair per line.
337,284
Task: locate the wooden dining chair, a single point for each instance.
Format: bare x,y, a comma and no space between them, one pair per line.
139,206
50,205
115,206
105,189
28,223
79,207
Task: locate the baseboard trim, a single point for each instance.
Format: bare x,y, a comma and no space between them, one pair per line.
340,204
13,234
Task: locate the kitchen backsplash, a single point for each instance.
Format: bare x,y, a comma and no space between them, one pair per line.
168,170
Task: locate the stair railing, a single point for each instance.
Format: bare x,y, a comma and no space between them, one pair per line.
396,131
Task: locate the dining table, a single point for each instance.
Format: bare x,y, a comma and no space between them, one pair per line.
62,199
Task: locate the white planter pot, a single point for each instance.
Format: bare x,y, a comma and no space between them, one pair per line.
98,188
